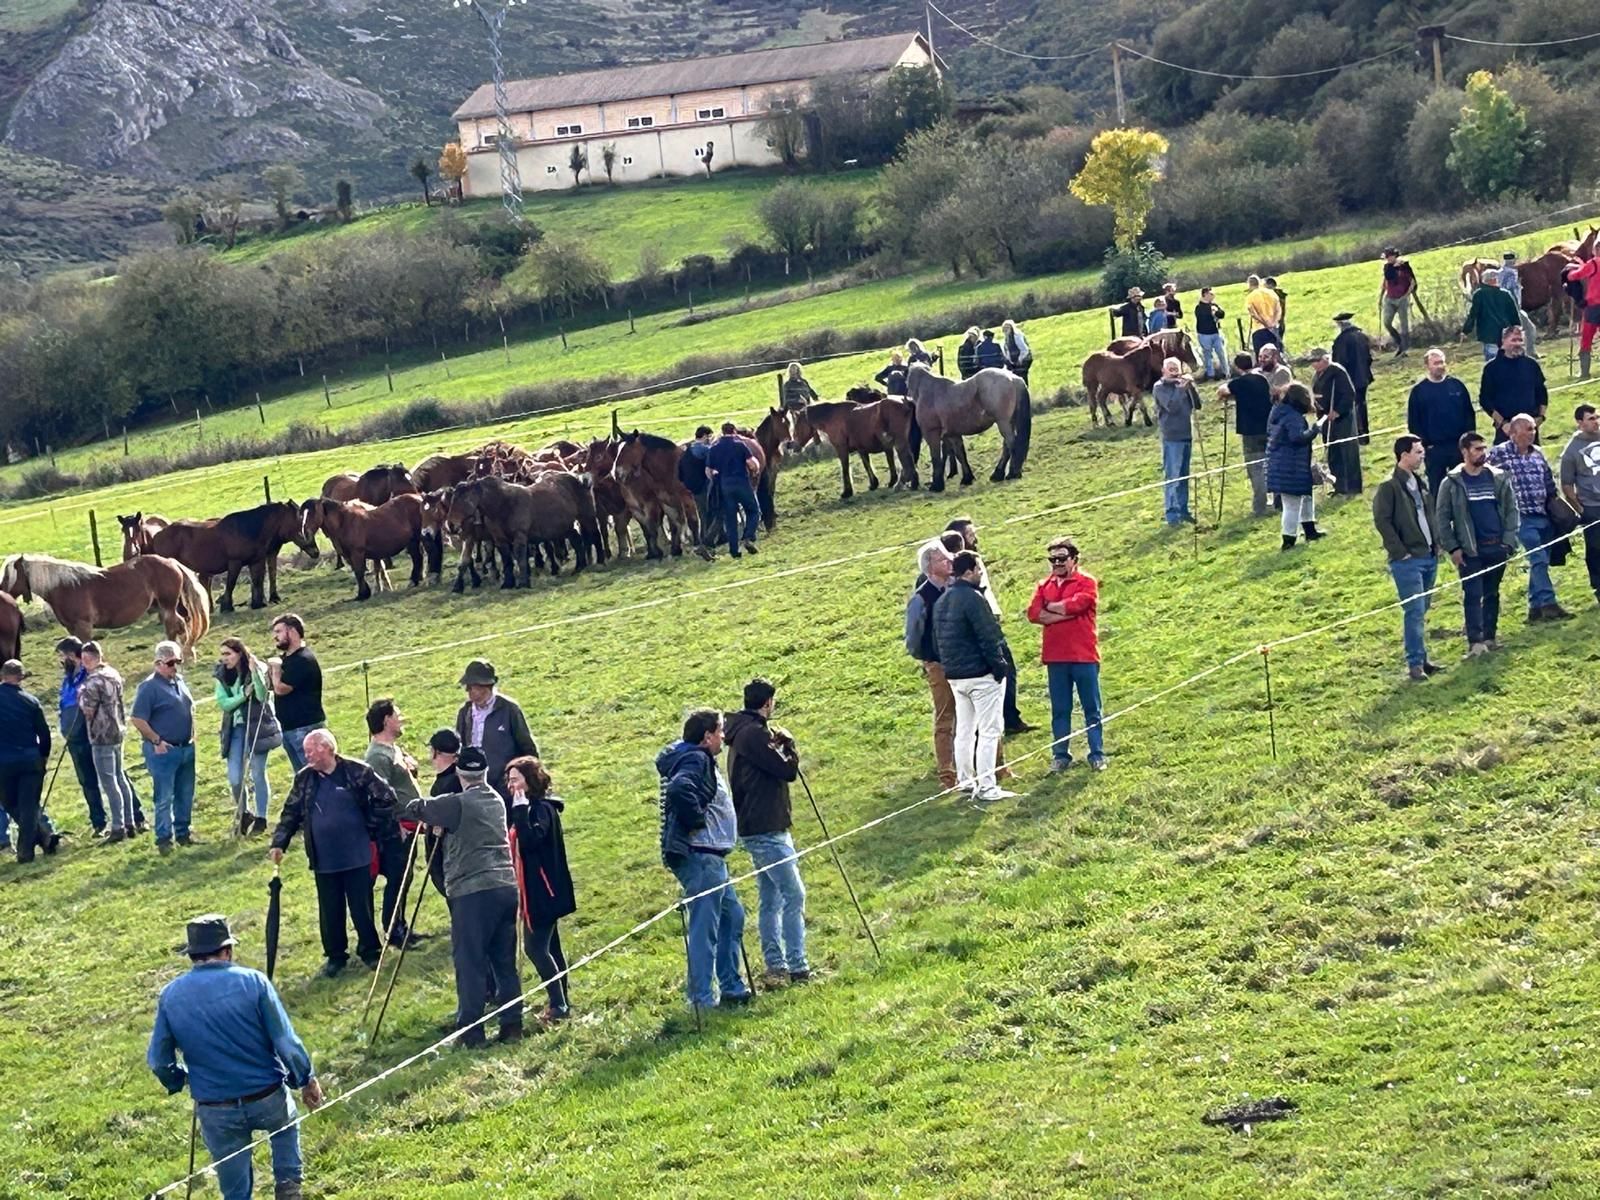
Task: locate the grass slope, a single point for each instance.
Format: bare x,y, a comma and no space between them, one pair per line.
1390,923
683,217
660,342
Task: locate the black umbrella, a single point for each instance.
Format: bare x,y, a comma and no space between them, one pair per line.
274,919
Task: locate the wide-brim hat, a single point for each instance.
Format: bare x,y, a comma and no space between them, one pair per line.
208,934
1319,353
1344,316
480,671
1135,293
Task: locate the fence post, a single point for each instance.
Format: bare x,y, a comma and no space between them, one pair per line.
505,344
616,430
266,487
630,321
199,427
446,364
260,412
941,361
326,399
94,538
779,378
563,334
125,450
387,374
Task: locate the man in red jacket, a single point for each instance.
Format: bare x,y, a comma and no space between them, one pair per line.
1065,603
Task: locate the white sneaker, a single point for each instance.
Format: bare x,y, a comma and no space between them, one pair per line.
998,793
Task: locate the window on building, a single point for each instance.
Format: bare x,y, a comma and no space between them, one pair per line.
549,170
568,130
489,139
709,114
627,160
640,122
698,151
782,104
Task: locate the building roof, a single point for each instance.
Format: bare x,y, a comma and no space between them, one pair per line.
693,75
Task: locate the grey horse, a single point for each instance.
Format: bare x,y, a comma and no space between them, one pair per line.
948,408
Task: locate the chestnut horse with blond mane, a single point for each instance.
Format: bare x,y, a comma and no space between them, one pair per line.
85,598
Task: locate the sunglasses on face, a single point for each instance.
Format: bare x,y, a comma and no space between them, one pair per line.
167,662
1058,559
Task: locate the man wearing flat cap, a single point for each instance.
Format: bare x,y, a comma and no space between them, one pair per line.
492,722
240,1058
481,885
1352,350
24,750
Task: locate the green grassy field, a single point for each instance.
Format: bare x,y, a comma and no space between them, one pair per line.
681,217
1390,923
659,343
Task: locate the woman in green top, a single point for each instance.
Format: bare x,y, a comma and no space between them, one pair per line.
249,728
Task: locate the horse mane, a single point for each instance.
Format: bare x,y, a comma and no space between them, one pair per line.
649,441
46,573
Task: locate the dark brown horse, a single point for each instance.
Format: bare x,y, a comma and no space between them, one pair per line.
362,534
137,531
12,627
1128,368
554,511
381,484
775,431
611,505
647,468
85,598
877,426
1541,285
442,471
948,408
228,545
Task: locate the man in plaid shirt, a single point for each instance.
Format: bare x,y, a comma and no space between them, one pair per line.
1533,486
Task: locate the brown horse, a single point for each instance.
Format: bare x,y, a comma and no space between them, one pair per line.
555,511
774,432
137,531
945,407
611,505
647,468
1542,285
362,533
442,471
85,598
1472,273
1128,368
228,545
378,485
881,425
12,627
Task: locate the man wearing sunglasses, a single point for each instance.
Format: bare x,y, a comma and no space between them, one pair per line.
1065,603
163,713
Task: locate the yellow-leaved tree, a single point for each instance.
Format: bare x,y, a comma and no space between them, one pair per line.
452,166
1120,173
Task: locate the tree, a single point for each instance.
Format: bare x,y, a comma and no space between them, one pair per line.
1568,134
182,212
453,167
784,129
789,214
420,170
608,160
1490,141
565,272
652,264
705,159
283,180
223,199
577,163
344,199
1120,174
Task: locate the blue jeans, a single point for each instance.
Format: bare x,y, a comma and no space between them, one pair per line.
1063,678
258,773
294,746
1175,469
1412,578
1213,344
716,923
782,917
229,1127
734,497
172,780
1536,531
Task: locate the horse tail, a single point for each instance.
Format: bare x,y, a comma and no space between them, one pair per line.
915,437
1021,427
193,604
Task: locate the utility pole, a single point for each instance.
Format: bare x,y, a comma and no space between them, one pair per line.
927,11
1116,75
1435,35
505,140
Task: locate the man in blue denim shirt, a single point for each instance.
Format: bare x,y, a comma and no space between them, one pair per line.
163,714
240,1057
762,763
698,829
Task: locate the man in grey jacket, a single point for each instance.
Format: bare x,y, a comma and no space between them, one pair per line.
482,888
1176,403
972,652
1475,522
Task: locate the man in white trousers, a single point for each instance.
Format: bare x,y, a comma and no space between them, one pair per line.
972,652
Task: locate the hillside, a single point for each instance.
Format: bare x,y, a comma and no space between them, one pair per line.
1385,919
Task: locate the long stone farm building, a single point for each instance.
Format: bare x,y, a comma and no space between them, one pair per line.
660,116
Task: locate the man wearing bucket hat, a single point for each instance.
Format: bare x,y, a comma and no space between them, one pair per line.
492,722
240,1058
1131,313
24,750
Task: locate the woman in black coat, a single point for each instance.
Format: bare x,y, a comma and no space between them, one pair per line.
543,880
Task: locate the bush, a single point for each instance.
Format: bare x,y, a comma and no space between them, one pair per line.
1142,267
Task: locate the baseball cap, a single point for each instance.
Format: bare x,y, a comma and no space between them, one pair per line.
472,759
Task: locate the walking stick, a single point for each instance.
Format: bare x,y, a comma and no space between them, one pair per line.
246,775
405,881
1222,479
685,922
194,1132
404,946
1200,431
838,862
749,978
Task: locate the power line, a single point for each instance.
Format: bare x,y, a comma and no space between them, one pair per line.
1586,37
1287,75
994,45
